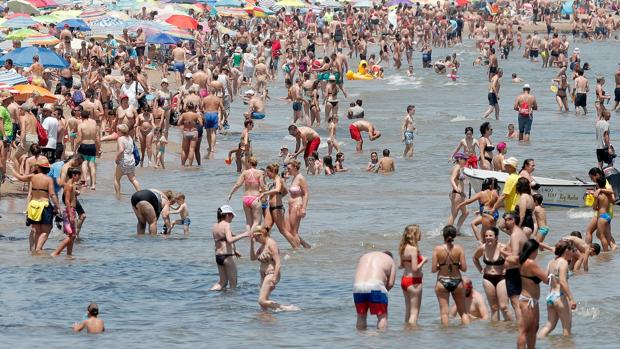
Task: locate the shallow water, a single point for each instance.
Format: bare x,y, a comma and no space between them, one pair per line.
154,291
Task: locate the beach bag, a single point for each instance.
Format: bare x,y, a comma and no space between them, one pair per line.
174,118
524,109
42,134
142,102
136,153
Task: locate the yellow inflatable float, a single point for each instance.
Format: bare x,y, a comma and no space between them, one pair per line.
362,72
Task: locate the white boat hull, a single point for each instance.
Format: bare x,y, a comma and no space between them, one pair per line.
555,192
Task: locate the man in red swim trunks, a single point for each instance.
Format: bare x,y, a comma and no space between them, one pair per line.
356,129
307,138
374,277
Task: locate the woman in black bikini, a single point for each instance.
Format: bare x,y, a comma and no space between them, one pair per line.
486,147
457,196
225,248
525,208
531,277
275,214
493,273
560,95
449,277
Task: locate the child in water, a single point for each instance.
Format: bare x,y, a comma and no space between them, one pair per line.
93,324
373,165
511,132
184,212
160,141
541,218
237,152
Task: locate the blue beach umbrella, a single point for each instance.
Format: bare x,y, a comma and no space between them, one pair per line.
567,8
22,57
162,39
11,78
75,23
229,3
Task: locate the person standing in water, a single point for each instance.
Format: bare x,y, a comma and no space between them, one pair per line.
250,179
225,249
93,324
493,96
411,261
408,128
449,279
457,196
374,277
525,104
469,145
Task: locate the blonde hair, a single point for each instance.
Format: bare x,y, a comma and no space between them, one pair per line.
261,230
411,235
252,161
275,168
295,164
123,128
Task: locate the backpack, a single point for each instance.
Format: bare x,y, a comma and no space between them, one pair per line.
136,154
77,97
524,109
42,134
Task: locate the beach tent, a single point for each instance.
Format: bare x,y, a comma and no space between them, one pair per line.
22,57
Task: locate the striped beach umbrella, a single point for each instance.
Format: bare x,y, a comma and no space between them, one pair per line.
93,14
11,78
19,22
20,6
43,40
7,88
21,34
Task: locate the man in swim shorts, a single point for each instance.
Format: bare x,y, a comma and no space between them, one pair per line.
356,129
88,145
581,92
308,141
408,127
374,277
256,105
212,105
179,57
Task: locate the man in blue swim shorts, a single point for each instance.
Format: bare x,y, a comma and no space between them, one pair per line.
212,105
374,277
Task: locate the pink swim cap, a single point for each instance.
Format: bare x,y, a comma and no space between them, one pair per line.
501,146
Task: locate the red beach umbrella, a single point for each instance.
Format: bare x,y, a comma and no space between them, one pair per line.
182,21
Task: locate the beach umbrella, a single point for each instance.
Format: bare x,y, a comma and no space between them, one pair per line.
43,3
93,14
229,3
22,7
43,40
119,15
7,88
567,8
47,19
124,5
161,39
291,3
11,78
330,4
66,14
398,2
21,34
181,21
231,12
257,11
363,4
22,57
75,23
76,44
180,34
461,3
42,95
19,22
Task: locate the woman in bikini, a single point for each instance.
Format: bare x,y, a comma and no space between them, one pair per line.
493,273
250,179
40,211
145,136
561,95
560,301
525,207
448,262
486,215
531,277
225,248
469,145
457,196
486,147
268,255
298,201
526,172
277,190
331,98
411,282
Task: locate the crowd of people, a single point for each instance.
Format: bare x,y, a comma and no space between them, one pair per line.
107,94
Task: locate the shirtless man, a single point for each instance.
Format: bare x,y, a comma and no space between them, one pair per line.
261,73
256,106
212,106
407,128
88,145
534,47
188,123
179,59
93,106
493,96
386,164
525,104
581,92
582,252
511,252
357,127
295,96
126,114
493,64
307,139
474,303
374,277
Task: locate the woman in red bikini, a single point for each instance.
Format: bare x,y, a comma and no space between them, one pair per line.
411,282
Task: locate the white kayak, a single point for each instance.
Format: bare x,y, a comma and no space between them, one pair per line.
555,192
